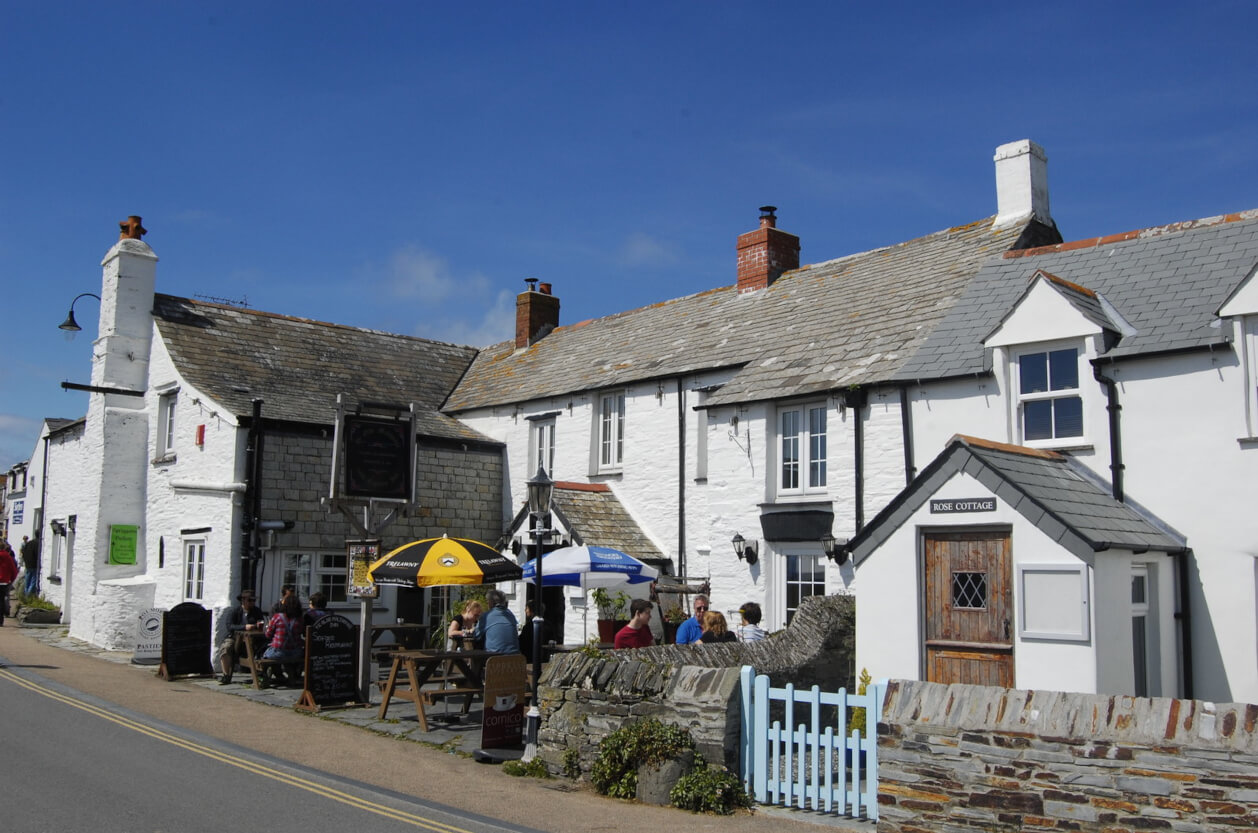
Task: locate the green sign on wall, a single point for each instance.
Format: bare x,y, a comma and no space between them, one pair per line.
123,540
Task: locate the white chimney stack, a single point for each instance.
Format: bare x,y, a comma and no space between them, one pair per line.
1021,183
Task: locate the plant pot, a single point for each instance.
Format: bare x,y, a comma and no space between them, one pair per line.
38,616
607,630
670,632
656,781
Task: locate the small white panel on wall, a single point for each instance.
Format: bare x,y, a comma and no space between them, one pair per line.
1054,602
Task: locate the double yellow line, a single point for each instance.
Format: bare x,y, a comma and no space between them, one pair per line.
222,757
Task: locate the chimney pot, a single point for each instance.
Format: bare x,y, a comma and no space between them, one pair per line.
532,282
130,228
767,218
543,288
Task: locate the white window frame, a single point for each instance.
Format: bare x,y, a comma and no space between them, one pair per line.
194,569
325,570
54,557
816,562
167,404
810,464
1020,399
1249,357
610,450
542,446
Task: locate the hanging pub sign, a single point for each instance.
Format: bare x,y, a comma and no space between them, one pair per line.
361,556
967,504
377,457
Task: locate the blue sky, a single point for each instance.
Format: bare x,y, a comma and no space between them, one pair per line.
404,166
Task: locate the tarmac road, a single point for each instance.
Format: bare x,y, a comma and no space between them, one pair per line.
349,752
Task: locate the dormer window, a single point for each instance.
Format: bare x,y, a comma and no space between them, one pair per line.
1050,403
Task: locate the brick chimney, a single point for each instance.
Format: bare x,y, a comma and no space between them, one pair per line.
764,254
536,313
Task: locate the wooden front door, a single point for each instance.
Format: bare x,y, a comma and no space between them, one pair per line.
969,608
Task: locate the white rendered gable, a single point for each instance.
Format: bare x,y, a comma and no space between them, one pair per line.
1041,315
1244,301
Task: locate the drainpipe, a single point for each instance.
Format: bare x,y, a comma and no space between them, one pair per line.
906,432
681,479
252,501
855,398
1184,615
1115,435
43,515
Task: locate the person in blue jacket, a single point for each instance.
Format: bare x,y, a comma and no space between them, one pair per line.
689,631
498,630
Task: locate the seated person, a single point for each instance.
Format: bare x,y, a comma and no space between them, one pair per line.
463,624
689,630
246,616
497,630
750,630
526,633
715,629
636,634
285,632
317,609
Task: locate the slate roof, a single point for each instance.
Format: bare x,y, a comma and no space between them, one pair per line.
595,517
848,321
1055,492
297,366
1165,282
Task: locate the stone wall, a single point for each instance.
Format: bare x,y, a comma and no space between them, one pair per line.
953,758
585,697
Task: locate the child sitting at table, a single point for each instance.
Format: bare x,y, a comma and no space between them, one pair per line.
285,632
462,624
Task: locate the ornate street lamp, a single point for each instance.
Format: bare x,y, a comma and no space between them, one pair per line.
540,489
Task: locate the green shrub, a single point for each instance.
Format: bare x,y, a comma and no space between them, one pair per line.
709,790
35,600
572,764
856,720
615,770
533,769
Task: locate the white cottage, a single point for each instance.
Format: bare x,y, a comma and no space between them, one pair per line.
207,447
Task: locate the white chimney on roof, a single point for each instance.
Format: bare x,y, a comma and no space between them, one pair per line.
1021,183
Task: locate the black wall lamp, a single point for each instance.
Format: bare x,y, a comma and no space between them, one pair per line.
836,551
744,549
70,325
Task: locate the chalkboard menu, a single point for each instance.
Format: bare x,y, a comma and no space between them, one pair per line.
186,642
331,664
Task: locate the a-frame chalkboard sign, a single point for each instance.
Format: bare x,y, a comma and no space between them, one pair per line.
186,642
331,679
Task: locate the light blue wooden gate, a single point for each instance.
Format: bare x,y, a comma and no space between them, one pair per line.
806,765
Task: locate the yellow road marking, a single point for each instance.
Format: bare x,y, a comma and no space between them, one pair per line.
222,757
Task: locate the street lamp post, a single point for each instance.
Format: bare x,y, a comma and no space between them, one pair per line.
540,489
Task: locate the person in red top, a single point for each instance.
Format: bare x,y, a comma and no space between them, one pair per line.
636,634
8,575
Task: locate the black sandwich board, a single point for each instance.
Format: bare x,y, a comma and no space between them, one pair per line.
186,642
331,679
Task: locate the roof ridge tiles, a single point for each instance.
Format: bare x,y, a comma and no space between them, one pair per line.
1121,237
311,321
992,445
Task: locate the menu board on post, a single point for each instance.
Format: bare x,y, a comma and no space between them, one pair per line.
186,642
331,664
505,692
361,556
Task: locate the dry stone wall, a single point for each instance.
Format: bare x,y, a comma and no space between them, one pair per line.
585,697
965,758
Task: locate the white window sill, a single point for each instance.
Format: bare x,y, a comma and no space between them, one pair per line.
1247,442
1076,444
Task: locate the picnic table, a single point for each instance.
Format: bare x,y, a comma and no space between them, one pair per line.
247,648
460,674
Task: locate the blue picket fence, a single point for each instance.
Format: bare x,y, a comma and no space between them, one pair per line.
795,761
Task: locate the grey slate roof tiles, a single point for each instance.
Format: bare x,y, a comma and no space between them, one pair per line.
1166,283
847,321
598,518
1053,491
297,366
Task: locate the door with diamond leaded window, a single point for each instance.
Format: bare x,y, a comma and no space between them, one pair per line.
969,608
